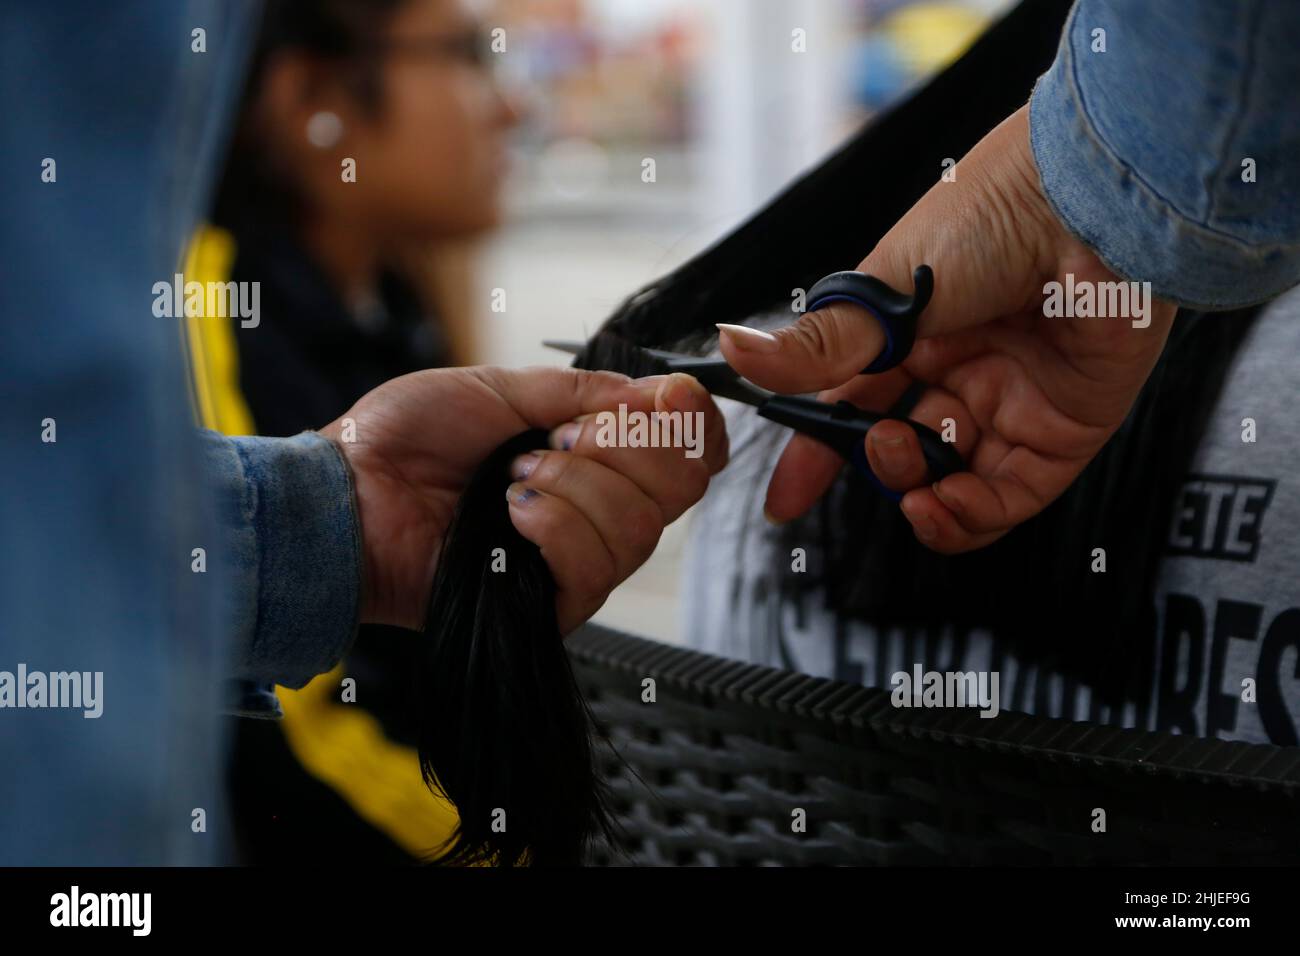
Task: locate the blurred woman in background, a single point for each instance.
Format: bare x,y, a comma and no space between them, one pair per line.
371,131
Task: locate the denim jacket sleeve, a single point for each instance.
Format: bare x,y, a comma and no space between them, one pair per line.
288,524
1166,133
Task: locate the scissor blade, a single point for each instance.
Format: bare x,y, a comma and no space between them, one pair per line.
722,380
564,345
713,373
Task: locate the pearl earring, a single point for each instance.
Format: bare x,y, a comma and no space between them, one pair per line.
324,129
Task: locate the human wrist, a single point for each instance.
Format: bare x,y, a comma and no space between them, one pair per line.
334,432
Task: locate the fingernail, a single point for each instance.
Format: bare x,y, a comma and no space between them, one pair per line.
750,340
566,436
771,519
891,454
518,494
648,387
678,392
523,465
946,497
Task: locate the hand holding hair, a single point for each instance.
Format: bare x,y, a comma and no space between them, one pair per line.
1033,398
496,545
595,513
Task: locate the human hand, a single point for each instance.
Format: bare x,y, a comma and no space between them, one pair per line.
1033,398
596,512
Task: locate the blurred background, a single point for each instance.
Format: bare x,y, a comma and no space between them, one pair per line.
717,94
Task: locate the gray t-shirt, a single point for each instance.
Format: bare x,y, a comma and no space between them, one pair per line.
1227,660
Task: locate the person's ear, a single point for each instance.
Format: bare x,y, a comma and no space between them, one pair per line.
303,102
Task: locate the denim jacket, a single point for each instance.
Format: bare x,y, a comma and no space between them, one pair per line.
293,547
1167,134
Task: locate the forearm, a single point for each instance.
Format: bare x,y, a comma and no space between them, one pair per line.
290,533
1171,152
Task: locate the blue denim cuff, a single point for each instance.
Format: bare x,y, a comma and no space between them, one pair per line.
293,544
1135,157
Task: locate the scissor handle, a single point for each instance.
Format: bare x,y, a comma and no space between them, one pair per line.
896,311
843,427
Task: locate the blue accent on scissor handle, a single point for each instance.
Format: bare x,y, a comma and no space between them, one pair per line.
897,314
896,311
843,427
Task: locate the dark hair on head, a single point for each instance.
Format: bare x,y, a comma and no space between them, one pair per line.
343,32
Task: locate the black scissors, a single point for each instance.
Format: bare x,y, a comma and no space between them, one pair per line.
842,426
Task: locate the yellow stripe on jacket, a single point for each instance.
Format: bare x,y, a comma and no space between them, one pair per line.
342,745
213,354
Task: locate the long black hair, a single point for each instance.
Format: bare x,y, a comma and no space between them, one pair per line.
504,730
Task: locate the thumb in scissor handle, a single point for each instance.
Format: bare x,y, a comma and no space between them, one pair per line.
896,311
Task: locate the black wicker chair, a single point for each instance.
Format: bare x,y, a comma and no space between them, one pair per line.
729,752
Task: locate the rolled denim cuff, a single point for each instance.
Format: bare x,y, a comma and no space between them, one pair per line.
1112,192
294,547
